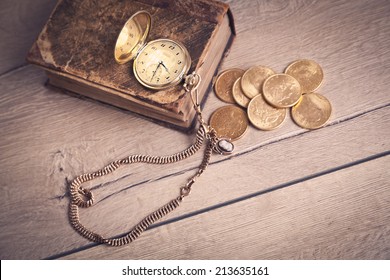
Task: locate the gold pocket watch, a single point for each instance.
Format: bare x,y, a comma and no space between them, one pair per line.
160,63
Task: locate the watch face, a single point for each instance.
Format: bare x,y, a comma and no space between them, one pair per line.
161,63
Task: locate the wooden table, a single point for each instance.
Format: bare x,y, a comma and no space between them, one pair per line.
284,194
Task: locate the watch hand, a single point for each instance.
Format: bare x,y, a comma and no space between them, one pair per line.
162,63
155,71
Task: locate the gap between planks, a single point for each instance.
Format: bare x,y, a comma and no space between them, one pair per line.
251,195
236,155
337,220
13,70
361,54
375,121
283,185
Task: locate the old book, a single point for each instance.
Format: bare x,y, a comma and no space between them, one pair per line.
76,48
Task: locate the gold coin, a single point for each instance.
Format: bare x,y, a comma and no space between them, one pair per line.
238,95
282,90
312,111
308,73
253,79
224,84
264,116
229,121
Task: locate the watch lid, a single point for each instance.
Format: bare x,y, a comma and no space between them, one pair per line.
132,36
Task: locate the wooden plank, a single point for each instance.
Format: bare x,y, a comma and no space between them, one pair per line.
21,22
48,138
123,201
323,218
348,39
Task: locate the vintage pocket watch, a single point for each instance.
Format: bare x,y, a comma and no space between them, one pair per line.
160,63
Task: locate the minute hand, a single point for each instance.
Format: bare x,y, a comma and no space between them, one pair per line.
162,63
155,71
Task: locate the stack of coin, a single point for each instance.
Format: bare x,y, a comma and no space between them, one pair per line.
313,109
267,95
229,121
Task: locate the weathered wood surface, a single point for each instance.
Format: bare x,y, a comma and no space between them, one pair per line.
317,219
288,193
20,23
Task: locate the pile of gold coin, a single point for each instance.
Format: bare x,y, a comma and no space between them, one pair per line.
265,96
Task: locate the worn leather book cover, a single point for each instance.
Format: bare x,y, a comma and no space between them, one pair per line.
76,48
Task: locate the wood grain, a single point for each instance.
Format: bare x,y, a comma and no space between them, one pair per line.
20,23
317,219
48,138
126,198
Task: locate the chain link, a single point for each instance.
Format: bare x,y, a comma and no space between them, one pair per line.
80,197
